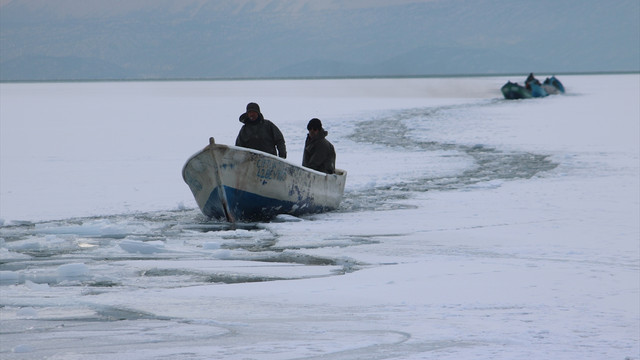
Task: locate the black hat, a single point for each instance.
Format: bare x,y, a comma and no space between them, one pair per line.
315,124
253,107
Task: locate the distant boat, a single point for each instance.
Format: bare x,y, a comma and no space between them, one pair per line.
553,86
241,184
514,91
532,88
536,89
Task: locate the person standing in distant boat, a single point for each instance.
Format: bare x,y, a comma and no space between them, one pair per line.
319,154
259,133
531,79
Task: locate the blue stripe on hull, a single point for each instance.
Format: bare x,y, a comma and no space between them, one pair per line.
248,206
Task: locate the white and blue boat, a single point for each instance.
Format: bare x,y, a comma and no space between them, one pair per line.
238,184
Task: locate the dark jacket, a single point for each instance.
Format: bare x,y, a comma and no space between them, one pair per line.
319,153
261,135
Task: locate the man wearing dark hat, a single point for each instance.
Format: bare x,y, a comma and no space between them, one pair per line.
319,154
259,133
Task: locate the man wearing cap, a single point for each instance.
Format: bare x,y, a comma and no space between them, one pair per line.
319,154
259,133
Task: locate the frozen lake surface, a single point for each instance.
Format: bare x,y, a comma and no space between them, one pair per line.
472,227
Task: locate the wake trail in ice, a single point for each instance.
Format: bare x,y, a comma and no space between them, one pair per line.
159,249
395,130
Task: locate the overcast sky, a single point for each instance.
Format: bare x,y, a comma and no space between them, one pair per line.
161,39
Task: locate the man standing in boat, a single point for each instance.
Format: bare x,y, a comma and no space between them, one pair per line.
319,154
259,133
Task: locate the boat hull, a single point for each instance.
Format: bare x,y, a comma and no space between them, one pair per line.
553,86
512,91
239,184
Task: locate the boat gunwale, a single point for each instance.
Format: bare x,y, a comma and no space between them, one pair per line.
338,172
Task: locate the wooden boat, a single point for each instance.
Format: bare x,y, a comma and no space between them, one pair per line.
241,184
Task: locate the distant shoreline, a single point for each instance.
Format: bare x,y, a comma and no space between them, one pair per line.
315,77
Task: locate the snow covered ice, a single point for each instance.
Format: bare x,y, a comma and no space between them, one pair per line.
472,227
